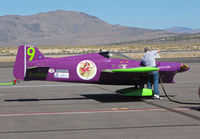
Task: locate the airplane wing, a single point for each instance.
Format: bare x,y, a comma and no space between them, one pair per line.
136,70
129,76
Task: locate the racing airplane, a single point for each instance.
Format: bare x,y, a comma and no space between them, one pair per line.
98,68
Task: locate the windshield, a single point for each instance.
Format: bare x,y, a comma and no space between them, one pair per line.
114,55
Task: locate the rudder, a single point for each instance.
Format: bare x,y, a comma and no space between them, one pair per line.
25,54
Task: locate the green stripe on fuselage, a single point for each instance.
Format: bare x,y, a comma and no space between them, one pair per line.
138,69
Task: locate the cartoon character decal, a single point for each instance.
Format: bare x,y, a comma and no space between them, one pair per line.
86,69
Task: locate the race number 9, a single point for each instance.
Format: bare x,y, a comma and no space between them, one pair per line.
31,53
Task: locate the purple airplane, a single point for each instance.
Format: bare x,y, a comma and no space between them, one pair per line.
99,68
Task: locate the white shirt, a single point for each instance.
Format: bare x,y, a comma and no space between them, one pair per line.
149,58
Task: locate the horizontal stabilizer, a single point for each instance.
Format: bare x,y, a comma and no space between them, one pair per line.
135,92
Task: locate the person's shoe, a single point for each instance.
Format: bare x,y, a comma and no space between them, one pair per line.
157,97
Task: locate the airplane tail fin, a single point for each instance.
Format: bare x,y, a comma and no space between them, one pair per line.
26,54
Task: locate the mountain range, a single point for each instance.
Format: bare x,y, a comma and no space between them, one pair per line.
186,30
69,28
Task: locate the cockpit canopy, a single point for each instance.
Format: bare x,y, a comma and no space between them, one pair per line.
114,55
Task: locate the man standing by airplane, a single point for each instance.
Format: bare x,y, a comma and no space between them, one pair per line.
148,60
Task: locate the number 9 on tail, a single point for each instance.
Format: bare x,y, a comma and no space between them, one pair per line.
31,53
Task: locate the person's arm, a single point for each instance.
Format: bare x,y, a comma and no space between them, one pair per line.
155,52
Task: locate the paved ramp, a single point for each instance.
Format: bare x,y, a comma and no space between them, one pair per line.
36,109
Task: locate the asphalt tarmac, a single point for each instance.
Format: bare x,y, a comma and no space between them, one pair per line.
53,110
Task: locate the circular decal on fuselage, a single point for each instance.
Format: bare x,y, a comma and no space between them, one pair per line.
86,69
51,70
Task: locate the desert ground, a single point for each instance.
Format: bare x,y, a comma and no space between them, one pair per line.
8,54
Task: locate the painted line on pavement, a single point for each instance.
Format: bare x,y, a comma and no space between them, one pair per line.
114,110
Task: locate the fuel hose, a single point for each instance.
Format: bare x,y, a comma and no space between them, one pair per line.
11,83
180,102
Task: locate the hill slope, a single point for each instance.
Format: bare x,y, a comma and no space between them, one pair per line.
179,39
68,28
177,29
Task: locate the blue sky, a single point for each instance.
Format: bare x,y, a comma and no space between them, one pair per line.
155,14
